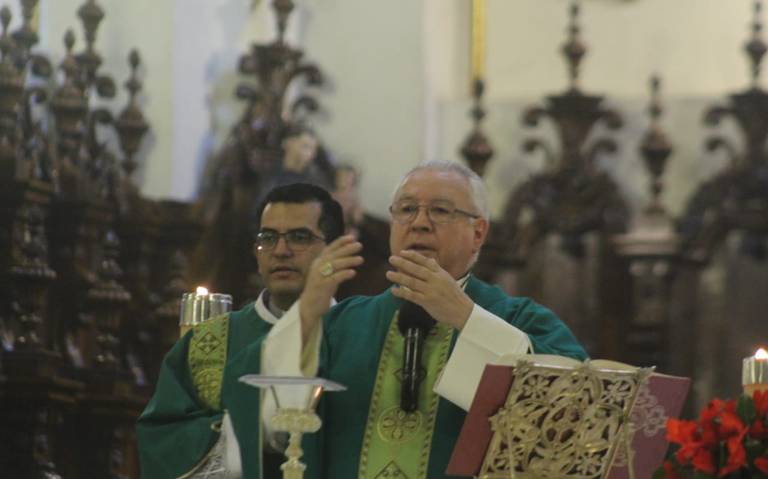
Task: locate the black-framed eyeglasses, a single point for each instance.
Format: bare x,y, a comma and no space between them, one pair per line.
438,211
297,240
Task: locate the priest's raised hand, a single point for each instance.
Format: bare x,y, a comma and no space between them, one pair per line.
421,280
335,265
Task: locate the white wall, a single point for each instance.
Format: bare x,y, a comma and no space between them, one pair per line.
398,73
695,45
373,55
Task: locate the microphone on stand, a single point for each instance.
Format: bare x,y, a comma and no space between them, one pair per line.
414,324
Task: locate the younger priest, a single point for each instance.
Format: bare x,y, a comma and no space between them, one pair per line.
201,421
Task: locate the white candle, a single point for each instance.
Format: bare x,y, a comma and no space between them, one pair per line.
200,306
754,374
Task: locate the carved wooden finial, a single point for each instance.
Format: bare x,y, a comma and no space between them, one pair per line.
11,79
477,149
655,147
283,9
756,47
69,64
69,40
91,15
5,18
26,35
5,40
574,49
131,125
133,85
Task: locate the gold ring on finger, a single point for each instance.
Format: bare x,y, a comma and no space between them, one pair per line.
326,269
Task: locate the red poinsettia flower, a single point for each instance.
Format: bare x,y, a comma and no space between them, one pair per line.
737,456
704,461
670,471
712,410
732,430
681,431
719,434
761,463
695,448
758,430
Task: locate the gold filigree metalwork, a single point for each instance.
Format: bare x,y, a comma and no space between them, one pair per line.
561,422
296,422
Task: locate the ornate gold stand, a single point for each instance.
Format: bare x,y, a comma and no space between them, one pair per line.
295,422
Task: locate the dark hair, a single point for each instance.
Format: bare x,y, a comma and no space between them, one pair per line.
331,221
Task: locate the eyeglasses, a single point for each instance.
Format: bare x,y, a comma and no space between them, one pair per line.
438,211
296,240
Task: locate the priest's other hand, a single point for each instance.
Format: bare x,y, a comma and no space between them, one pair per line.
422,281
335,265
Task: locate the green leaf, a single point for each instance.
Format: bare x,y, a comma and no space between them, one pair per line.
754,449
746,409
660,473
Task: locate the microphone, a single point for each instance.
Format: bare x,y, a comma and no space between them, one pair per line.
414,324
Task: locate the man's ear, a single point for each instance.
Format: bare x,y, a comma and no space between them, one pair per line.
482,226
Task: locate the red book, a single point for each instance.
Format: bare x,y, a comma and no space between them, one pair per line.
662,397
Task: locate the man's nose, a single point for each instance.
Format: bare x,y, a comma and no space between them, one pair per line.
281,247
421,221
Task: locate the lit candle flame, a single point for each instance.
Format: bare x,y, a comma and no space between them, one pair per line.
201,291
761,354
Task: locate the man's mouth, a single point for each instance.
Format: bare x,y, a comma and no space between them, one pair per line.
282,271
421,248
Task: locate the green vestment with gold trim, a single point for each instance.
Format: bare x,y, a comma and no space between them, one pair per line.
199,380
364,435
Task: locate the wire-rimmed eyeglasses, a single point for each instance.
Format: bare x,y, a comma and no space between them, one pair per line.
438,211
297,240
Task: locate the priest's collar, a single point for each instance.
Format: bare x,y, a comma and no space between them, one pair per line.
462,282
267,311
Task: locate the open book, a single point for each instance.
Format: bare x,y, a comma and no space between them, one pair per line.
658,397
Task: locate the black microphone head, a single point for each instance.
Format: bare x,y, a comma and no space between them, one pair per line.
413,316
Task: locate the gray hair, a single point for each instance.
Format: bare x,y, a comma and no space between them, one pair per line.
478,193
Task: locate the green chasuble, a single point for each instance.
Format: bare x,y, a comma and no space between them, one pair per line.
364,433
182,421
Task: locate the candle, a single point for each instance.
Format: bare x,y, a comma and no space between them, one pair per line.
754,374
200,306
478,40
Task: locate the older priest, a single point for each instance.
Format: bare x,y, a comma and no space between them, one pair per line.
439,223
